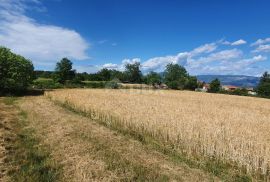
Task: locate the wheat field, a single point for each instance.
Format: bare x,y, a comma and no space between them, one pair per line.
230,128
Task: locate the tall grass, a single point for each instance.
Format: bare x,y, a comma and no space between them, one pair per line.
227,128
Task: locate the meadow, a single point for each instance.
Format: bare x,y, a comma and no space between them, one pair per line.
200,125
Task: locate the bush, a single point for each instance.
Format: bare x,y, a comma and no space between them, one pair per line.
112,84
94,84
44,83
16,72
241,91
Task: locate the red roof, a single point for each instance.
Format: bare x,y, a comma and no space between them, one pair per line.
230,86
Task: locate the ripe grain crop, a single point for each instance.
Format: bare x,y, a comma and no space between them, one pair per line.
229,128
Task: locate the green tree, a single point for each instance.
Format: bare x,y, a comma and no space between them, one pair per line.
153,78
192,83
133,73
176,76
215,86
16,72
105,74
63,71
117,75
264,85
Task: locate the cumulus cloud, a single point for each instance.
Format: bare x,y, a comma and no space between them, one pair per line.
206,59
262,48
260,42
159,63
220,56
239,42
41,43
241,66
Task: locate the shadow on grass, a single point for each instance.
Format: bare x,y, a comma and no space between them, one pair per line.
21,93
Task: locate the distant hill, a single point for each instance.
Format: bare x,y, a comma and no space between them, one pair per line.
236,80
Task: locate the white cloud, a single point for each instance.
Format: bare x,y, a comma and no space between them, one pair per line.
205,59
39,42
259,58
221,56
110,66
260,42
262,48
206,48
102,41
238,42
159,63
232,66
131,61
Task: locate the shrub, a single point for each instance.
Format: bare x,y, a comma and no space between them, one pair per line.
95,84
43,83
112,84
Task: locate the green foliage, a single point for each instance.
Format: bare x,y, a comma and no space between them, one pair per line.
105,74
94,84
176,76
43,74
215,86
46,83
16,72
63,71
264,85
153,78
113,84
133,73
192,83
240,91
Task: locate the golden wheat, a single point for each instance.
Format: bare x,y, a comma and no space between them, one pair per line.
232,128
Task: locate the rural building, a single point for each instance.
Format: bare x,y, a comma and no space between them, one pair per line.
205,88
229,87
251,91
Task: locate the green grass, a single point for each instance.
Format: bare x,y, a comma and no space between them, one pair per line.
28,160
9,100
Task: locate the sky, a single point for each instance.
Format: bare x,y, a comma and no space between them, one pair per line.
225,37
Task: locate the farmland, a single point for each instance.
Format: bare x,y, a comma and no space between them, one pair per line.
228,128
134,135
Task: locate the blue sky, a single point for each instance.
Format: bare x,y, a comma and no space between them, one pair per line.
207,37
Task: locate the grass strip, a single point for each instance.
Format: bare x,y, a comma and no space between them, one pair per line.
28,160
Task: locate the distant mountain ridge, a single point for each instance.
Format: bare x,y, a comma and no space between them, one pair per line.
236,80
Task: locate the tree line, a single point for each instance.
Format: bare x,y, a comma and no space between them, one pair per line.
17,73
174,75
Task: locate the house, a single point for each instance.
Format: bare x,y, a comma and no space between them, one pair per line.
251,91
229,87
204,88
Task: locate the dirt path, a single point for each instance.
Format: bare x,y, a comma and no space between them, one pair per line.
88,151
